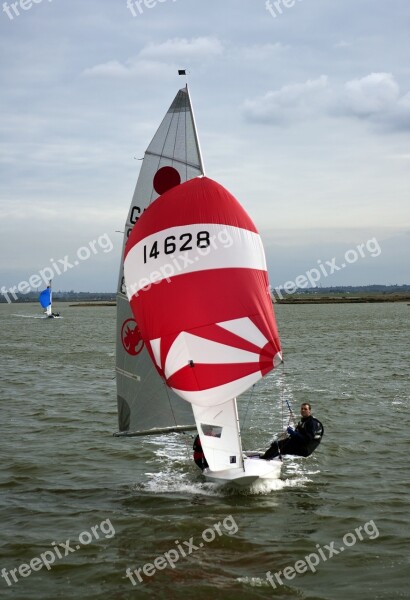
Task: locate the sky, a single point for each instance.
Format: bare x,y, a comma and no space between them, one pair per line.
302,109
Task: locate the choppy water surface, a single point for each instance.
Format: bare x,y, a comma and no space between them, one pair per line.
114,504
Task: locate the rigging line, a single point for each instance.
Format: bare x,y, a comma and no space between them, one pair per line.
188,441
190,122
177,106
247,408
284,398
173,159
175,421
178,119
281,382
197,144
186,137
182,108
282,404
170,403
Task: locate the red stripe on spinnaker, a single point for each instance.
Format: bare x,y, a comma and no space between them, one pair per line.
205,377
219,334
189,302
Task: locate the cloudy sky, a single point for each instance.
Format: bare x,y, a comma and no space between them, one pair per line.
303,111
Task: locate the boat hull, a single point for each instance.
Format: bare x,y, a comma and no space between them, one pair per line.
254,469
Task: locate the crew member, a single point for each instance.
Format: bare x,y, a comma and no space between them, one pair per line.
302,440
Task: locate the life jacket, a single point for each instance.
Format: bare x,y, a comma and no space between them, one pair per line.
308,445
319,429
317,437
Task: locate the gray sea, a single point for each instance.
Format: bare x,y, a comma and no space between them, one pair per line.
79,508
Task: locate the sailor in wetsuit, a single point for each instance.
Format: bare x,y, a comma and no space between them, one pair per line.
302,441
199,456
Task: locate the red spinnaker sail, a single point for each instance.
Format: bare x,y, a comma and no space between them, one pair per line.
196,278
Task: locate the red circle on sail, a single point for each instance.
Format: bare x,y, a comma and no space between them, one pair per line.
131,337
165,179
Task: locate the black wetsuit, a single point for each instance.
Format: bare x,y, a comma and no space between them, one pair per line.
302,442
199,456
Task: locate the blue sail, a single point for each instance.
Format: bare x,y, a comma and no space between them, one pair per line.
45,298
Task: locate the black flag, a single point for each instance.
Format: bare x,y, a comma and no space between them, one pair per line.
181,72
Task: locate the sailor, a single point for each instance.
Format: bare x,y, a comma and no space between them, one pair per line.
302,440
199,456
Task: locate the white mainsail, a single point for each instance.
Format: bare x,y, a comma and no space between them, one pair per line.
145,404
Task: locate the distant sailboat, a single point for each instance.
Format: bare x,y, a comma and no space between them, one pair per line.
195,276
46,300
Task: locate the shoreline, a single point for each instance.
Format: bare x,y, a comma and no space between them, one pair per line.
294,300
277,297
343,300
91,303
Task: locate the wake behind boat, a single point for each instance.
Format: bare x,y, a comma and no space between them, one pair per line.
196,328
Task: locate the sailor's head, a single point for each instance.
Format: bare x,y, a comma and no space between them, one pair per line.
305,409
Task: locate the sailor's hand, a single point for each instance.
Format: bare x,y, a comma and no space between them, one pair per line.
290,430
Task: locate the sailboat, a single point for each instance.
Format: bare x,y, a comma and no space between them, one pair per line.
195,326
46,300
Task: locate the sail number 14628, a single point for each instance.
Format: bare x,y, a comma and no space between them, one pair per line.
181,243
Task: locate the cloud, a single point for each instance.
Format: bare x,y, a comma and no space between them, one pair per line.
291,102
375,98
133,67
111,68
182,48
154,59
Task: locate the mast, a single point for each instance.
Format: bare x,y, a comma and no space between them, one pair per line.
201,162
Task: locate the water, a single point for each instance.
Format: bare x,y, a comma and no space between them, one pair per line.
65,479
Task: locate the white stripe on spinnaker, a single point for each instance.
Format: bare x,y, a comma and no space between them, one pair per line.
156,350
228,247
187,347
221,393
246,330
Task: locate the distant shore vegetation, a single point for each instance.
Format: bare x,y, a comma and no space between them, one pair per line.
318,295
